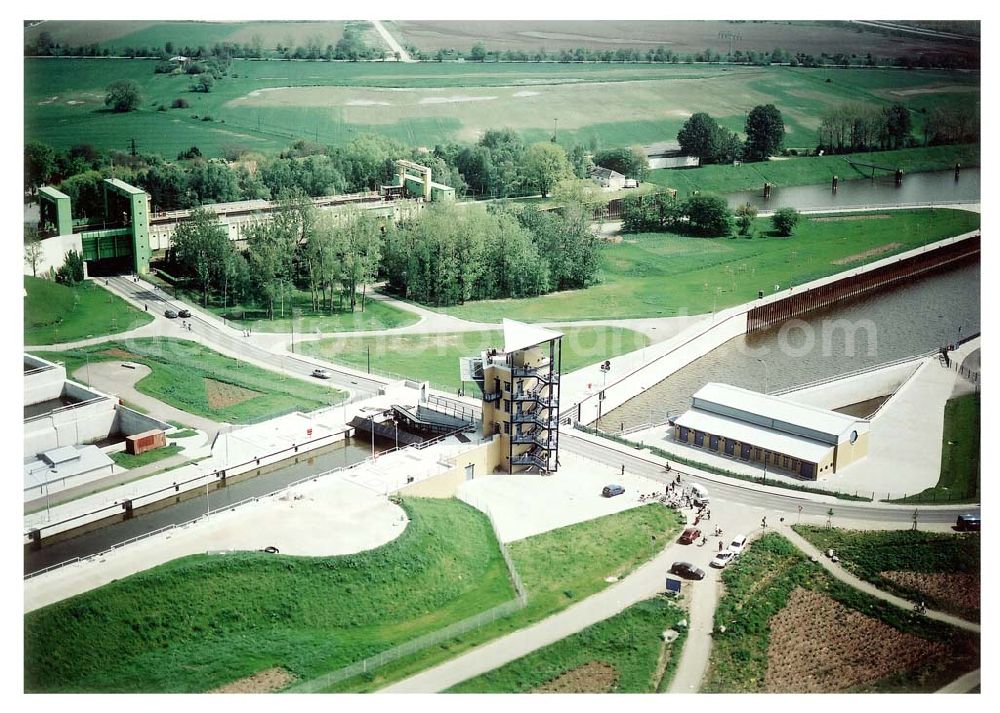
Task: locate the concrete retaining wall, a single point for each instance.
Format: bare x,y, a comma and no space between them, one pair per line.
44,385
854,389
445,485
82,424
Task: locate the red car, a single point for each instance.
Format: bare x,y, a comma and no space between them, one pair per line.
689,535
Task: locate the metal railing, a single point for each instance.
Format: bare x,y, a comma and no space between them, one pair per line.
376,661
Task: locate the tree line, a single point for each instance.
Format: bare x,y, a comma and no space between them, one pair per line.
698,215
499,165
447,254
351,46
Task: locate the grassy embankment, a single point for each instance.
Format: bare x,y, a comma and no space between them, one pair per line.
960,464
869,553
127,460
664,274
376,315
55,313
630,643
434,357
203,382
333,102
558,568
202,621
806,170
758,587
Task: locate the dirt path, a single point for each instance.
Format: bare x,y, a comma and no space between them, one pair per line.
844,576
112,378
404,56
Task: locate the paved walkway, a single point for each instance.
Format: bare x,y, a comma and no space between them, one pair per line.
963,684
112,378
404,56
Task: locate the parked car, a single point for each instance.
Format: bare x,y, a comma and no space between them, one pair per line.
270,549
689,535
967,522
612,490
321,373
688,570
723,558
170,314
184,313
738,544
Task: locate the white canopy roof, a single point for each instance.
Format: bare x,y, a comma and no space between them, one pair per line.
518,335
796,446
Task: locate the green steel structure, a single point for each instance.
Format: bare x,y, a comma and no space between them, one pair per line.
122,237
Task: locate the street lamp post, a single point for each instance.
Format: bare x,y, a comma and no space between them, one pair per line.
765,373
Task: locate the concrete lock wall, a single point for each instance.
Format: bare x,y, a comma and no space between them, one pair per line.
484,458
854,389
82,424
131,422
44,385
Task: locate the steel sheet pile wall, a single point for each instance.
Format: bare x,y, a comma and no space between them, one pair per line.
776,312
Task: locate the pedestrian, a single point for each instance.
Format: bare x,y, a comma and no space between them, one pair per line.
720,545
763,522
146,307
708,515
623,469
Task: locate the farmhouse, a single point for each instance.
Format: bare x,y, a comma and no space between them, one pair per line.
607,179
807,441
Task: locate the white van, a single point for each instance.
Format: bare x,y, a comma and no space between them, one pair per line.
699,494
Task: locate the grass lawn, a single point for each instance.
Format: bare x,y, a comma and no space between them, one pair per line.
759,586
55,313
805,170
960,466
334,102
663,274
434,357
558,568
198,380
869,553
202,621
630,643
127,460
376,315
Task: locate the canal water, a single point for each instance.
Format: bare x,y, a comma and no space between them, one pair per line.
926,187
337,456
915,318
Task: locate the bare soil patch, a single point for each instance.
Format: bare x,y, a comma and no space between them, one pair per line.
958,589
118,353
881,249
267,681
222,395
820,646
593,677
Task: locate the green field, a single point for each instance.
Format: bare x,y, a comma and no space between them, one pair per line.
203,382
758,587
663,274
202,621
630,643
960,453
558,568
801,171
870,553
55,313
434,357
333,102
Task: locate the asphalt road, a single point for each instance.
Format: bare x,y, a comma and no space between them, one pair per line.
209,331
781,503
